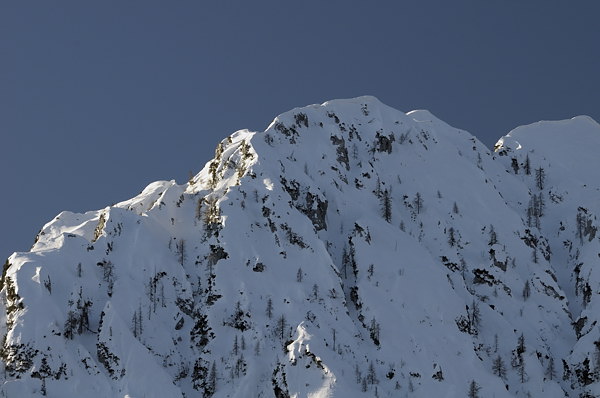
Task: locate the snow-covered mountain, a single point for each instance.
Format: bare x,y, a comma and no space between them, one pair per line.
349,250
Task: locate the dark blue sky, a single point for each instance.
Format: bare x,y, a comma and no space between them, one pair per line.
98,99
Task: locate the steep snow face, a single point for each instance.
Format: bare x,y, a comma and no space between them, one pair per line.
348,250
560,147
559,164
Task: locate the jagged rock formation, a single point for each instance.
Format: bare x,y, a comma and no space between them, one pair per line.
348,250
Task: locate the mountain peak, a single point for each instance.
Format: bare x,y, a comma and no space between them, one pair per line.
350,249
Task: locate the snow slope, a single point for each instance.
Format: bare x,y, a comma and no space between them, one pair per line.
348,250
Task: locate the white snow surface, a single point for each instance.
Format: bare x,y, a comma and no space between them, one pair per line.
349,250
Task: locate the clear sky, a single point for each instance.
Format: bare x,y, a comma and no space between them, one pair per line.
98,99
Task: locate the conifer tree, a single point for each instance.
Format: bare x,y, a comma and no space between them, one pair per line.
236,346
386,206
374,329
521,371
211,384
473,390
499,368
474,318
269,310
550,371
371,377
540,177
418,202
526,290
493,237
180,250
527,165
451,237
281,327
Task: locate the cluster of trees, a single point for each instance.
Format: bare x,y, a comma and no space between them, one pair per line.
240,319
374,330
471,323
137,323
208,211
370,378
517,361
78,316
535,210
156,290
107,275
204,379
239,367
386,202
584,225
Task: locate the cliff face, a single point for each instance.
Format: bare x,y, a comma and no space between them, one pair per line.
348,250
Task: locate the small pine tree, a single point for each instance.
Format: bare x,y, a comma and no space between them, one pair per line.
180,250
70,325
334,332
521,371
281,327
455,208
527,165
499,368
299,275
370,271
236,346
474,317
541,205
521,345
386,206
269,310
580,221
493,237
550,371
378,188
257,348
418,202
473,390
44,372
540,177
371,377
526,290
134,324
495,342
199,204
451,237
357,374
374,330
48,284
315,292
211,384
